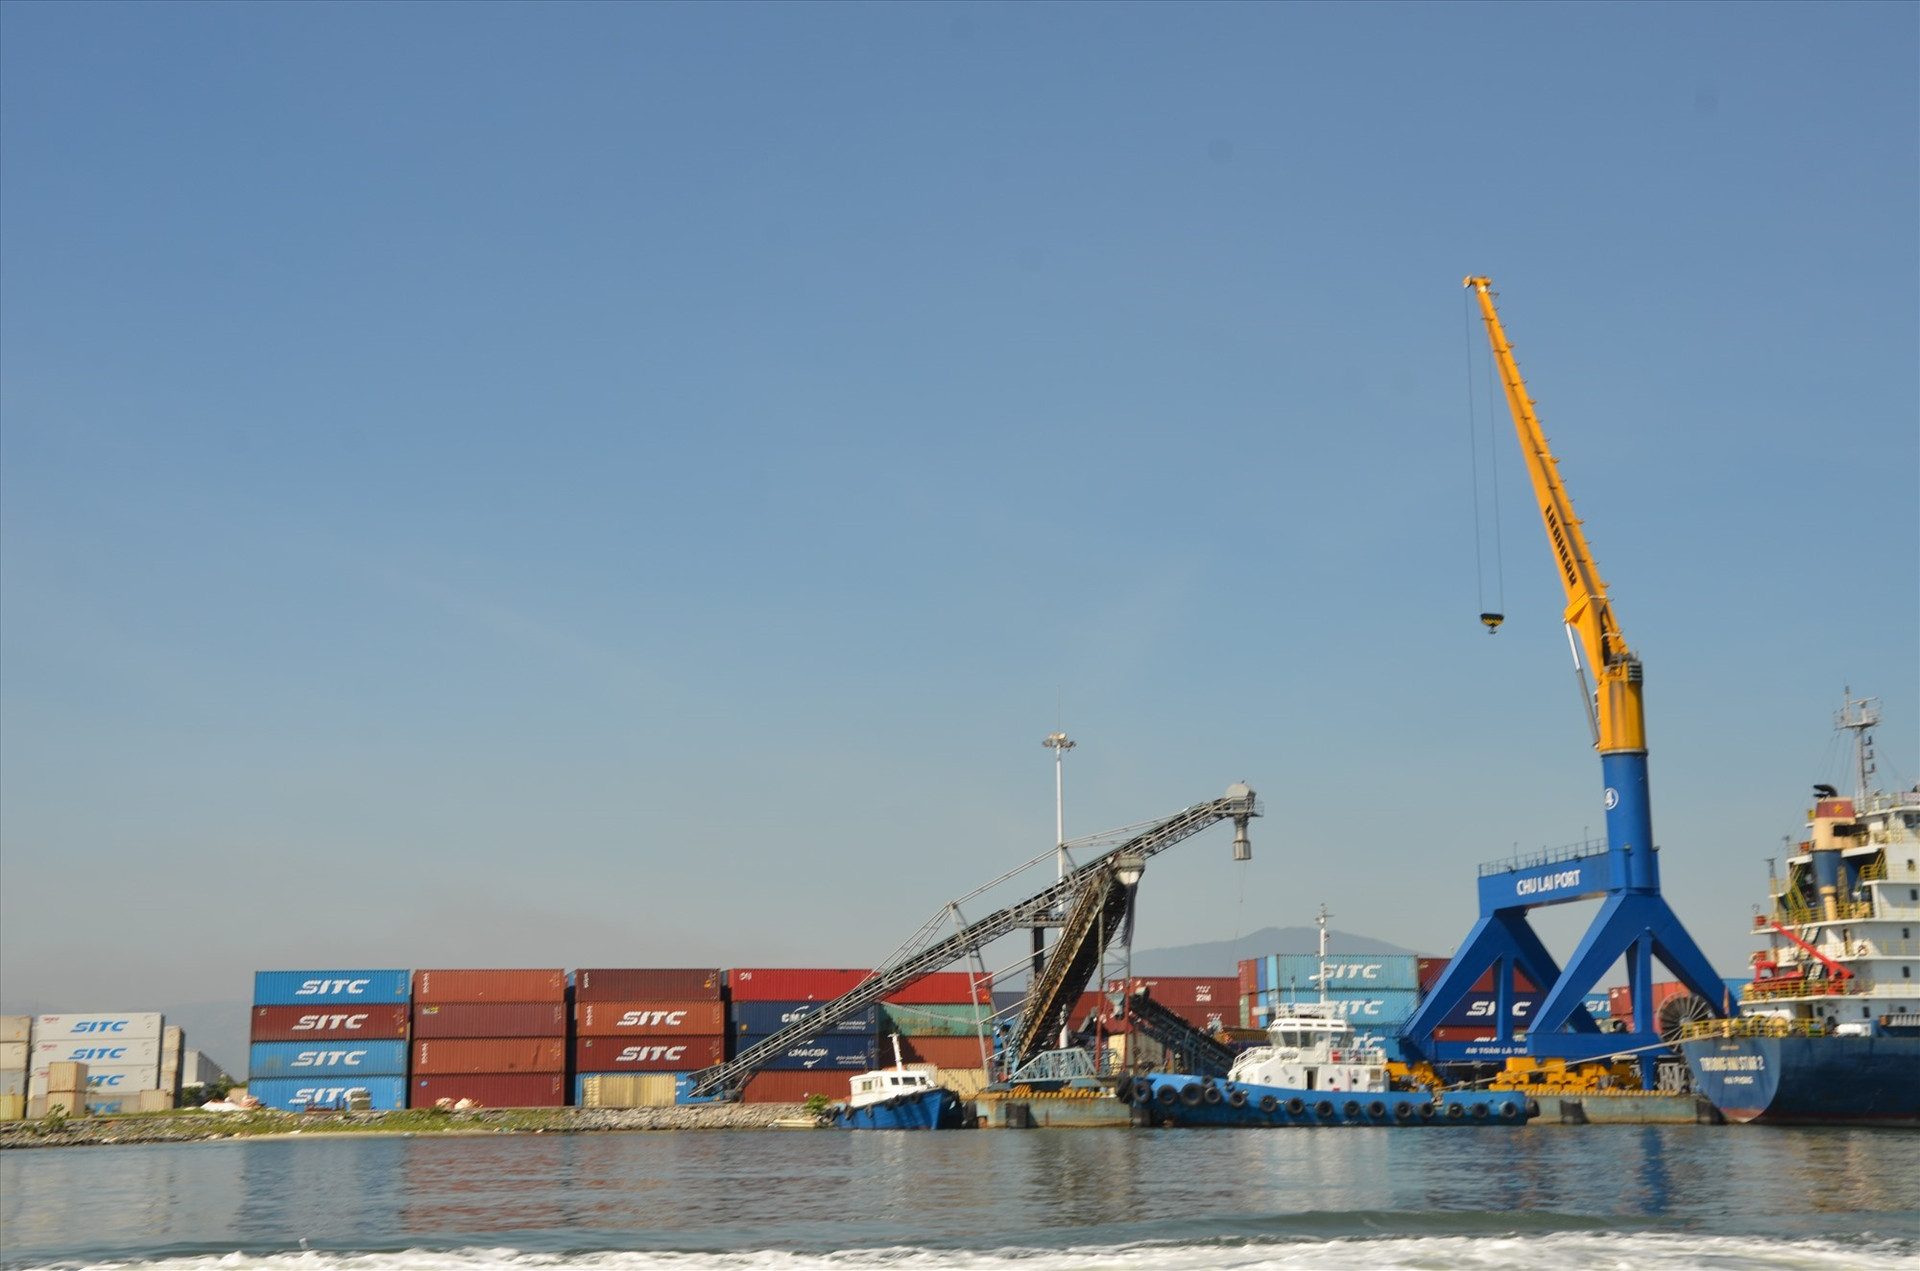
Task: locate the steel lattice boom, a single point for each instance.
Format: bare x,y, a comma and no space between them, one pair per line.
726,1080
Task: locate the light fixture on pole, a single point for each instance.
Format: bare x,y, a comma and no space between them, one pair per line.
1060,744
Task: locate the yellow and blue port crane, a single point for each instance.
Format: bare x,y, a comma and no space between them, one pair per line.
1634,921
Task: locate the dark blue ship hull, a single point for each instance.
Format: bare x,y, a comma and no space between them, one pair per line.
1810,1080
935,1109
1181,1099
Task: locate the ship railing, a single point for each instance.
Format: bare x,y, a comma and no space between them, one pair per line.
1752,1026
1767,990
1546,856
1795,916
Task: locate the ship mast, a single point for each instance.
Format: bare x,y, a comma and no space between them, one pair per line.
1858,715
1322,922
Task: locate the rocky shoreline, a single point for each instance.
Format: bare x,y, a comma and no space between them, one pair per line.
183,1127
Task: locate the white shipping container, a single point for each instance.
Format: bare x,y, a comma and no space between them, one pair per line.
198,1070
95,1050
124,1026
109,1077
16,1028
13,1056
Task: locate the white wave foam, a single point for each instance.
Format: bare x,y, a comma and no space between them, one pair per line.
1556,1252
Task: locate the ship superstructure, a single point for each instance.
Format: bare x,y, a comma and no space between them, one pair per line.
1843,918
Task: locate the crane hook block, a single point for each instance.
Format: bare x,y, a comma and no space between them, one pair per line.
1493,621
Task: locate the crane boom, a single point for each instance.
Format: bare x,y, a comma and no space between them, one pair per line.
1619,713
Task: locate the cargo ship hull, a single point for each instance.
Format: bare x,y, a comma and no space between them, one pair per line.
1860,1081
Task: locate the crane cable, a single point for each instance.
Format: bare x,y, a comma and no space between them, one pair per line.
1491,619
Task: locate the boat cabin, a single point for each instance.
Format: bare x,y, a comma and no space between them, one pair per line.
1309,1050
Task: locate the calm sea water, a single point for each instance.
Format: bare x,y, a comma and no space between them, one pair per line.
1550,1197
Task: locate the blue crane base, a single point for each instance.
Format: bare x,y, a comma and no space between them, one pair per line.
1633,923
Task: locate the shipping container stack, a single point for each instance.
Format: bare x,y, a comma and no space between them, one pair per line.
1375,993
121,1053
1473,1018
763,1000
941,1020
638,1032
318,1037
495,1038
15,1032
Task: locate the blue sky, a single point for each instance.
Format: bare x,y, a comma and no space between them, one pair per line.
633,485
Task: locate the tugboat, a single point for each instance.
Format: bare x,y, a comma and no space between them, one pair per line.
1314,1071
898,1098
1830,1033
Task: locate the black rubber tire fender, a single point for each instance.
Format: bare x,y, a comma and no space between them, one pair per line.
1455,1112
1142,1090
1190,1093
1350,1108
1508,1112
1479,1111
1210,1094
1323,1108
1236,1098
1376,1109
1426,1111
1166,1096
1296,1105
1268,1104
1533,1107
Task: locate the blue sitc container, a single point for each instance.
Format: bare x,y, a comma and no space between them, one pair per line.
1348,974
1483,1008
329,1061
1598,1005
331,988
1380,1009
763,1019
291,1094
835,1051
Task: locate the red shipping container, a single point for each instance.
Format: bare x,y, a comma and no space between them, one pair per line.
490,1054
945,988
794,1087
491,1089
650,1019
1250,976
1463,1033
788,984
1178,991
489,986
490,1019
1430,969
328,1023
647,1054
1620,1000
644,984
947,1052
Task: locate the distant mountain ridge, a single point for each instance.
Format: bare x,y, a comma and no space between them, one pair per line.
1222,957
